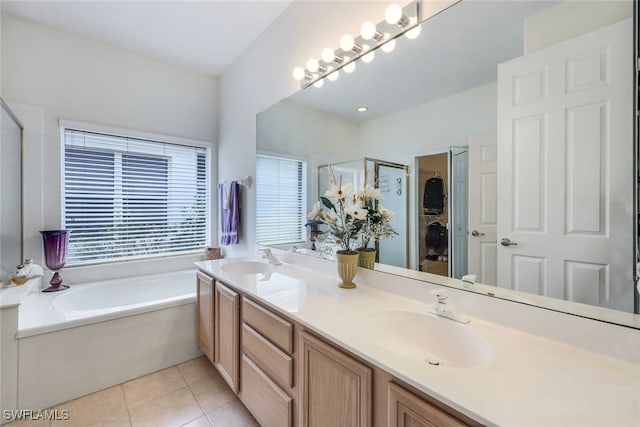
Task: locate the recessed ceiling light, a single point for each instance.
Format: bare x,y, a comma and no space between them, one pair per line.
363,109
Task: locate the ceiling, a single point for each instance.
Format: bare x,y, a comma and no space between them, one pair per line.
202,35
457,50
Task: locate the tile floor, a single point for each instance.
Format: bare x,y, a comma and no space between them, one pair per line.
191,394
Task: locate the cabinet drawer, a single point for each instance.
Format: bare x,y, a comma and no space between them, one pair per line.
264,399
407,409
276,363
271,326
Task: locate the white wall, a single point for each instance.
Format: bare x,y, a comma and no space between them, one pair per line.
295,130
299,130
48,74
429,129
571,19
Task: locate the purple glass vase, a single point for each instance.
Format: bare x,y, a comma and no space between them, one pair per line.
55,256
312,233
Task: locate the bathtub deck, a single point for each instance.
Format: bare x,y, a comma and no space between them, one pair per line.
41,313
189,394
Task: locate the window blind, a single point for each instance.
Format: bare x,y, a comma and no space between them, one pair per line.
281,200
127,197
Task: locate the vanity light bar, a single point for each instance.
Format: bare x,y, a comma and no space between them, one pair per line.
398,21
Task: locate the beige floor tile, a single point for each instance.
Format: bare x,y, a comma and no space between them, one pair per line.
211,392
196,369
120,420
152,386
94,409
203,421
233,414
173,409
28,423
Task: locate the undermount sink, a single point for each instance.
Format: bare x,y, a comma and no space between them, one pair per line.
246,267
434,340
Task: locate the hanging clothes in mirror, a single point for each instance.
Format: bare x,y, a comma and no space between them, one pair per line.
434,196
437,238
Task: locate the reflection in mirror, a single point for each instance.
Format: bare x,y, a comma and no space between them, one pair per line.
391,180
530,120
11,190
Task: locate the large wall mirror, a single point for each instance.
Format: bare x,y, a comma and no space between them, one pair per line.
11,190
524,112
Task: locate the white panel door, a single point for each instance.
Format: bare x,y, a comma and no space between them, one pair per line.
565,175
459,211
483,208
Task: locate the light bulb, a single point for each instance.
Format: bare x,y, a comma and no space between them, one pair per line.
319,83
333,76
368,30
393,14
415,31
369,56
328,55
298,73
350,67
388,46
347,42
313,65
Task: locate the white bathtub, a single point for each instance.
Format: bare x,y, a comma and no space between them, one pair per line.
89,303
96,335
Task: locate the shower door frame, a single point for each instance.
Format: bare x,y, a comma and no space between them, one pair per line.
365,175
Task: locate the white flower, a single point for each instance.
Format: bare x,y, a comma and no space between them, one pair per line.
357,212
386,213
369,193
338,192
315,212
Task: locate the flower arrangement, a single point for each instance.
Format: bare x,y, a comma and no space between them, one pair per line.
342,213
378,221
351,216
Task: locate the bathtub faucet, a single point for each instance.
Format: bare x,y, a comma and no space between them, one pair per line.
268,256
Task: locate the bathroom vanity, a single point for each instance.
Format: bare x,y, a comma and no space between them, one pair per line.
298,350
287,374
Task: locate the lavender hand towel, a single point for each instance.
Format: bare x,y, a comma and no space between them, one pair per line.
230,214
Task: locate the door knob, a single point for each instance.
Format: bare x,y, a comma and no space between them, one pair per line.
476,233
507,242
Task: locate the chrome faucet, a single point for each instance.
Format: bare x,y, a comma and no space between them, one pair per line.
444,309
468,280
269,256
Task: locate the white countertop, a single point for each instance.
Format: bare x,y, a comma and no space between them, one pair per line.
12,296
531,380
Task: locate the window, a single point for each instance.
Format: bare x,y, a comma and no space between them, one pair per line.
128,197
281,211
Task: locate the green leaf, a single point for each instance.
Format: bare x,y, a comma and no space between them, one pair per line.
327,203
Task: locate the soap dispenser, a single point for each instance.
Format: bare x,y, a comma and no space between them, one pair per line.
19,277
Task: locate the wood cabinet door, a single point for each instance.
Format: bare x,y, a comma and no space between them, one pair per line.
408,410
267,402
204,315
227,332
336,389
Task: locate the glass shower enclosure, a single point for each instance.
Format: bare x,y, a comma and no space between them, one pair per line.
392,181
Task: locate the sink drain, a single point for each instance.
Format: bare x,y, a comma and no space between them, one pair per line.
432,362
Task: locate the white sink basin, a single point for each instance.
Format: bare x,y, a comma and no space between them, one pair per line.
246,267
434,340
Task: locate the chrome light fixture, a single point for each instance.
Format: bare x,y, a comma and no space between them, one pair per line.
397,21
